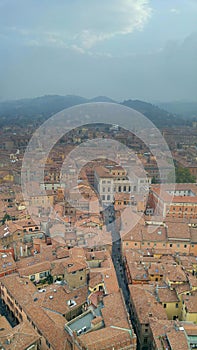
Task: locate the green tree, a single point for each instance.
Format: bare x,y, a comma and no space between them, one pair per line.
183,175
154,180
5,218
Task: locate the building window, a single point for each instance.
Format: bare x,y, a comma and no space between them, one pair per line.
108,197
170,245
177,305
164,305
185,245
43,274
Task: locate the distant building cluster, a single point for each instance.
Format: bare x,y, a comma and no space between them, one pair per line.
107,262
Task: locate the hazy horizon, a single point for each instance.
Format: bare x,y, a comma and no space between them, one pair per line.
152,101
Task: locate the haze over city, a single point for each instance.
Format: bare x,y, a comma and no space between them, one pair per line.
119,48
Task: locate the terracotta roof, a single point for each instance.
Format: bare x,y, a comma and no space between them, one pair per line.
57,268
175,273
146,306
156,269
178,229
167,332
105,338
110,315
24,292
138,272
33,269
182,288
167,295
7,263
95,279
191,303
20,337
177,340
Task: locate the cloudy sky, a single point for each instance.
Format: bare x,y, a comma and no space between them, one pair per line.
144,49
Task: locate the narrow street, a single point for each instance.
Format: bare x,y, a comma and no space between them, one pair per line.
116,254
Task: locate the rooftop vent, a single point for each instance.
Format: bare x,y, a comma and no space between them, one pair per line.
79,331
71,303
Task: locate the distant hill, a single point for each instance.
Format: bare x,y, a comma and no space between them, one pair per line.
102,99
21,112
46,105
187,110
158,116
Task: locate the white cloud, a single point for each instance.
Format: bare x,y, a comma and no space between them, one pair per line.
175,11
112,18
82,24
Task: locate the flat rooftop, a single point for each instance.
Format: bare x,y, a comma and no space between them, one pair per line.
85,320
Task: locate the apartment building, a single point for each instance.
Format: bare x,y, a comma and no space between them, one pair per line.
178,201
162,236
117,333
189,308
22,299
21,337
169,335
109,180
144,307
